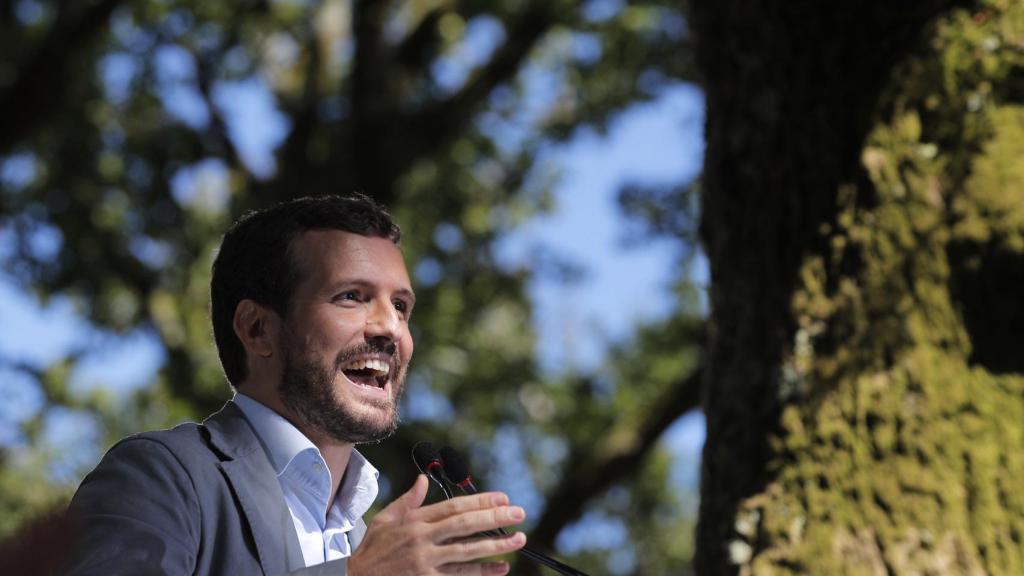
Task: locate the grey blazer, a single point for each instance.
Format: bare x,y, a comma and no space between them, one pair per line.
197,499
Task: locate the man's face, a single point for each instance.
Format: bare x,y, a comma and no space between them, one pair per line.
345,341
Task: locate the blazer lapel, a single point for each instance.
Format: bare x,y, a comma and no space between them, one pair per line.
255,485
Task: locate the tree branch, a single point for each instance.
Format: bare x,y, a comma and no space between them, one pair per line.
43,81
370,97
218,126
205,63
369,137
586,479
294,166
420,47
436,123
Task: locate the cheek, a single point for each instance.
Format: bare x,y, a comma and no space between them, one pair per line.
407,346
340,325
326,339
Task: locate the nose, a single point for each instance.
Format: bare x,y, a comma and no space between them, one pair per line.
383,322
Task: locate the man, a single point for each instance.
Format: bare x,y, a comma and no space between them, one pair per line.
310,303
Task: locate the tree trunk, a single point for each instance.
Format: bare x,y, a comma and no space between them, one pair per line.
850,346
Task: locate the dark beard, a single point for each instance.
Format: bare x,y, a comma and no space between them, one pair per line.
307,390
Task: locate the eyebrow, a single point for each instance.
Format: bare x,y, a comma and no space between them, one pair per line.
339,285
409,294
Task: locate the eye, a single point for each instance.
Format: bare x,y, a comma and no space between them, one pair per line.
349,295
403,307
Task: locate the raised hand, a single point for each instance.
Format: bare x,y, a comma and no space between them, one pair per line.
408,539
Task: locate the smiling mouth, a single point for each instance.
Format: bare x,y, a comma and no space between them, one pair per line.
367,372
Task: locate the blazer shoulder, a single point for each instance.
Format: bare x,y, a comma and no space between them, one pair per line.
182,452
184,432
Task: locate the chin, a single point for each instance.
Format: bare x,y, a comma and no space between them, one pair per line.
367,427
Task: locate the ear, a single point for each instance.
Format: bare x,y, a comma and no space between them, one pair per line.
256,326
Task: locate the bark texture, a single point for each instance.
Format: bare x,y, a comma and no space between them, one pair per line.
862,220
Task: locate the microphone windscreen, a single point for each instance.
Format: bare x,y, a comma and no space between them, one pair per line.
423,453
454,466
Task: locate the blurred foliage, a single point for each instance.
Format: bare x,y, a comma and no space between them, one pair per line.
140,130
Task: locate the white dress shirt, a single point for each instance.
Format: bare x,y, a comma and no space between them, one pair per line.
322,527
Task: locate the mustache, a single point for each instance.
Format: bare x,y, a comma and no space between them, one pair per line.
371,347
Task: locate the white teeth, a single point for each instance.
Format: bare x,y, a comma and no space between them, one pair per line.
369,364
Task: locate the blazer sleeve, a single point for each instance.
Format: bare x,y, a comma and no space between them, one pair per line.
136,513
332,568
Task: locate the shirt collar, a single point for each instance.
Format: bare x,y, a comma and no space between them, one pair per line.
358,488
283,442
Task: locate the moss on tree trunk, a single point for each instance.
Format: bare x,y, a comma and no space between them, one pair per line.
865,402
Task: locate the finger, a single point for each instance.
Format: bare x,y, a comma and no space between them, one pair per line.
415,495
461,504
475,548
410,500
474,521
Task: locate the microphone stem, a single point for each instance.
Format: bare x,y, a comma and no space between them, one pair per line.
444,488
550,562
539,557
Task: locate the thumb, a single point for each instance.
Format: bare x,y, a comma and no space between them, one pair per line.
410,500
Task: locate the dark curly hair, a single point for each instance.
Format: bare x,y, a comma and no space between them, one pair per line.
254,260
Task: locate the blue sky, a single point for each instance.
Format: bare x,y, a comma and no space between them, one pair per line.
654,143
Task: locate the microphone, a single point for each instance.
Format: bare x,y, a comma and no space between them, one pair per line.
429,463
457,471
